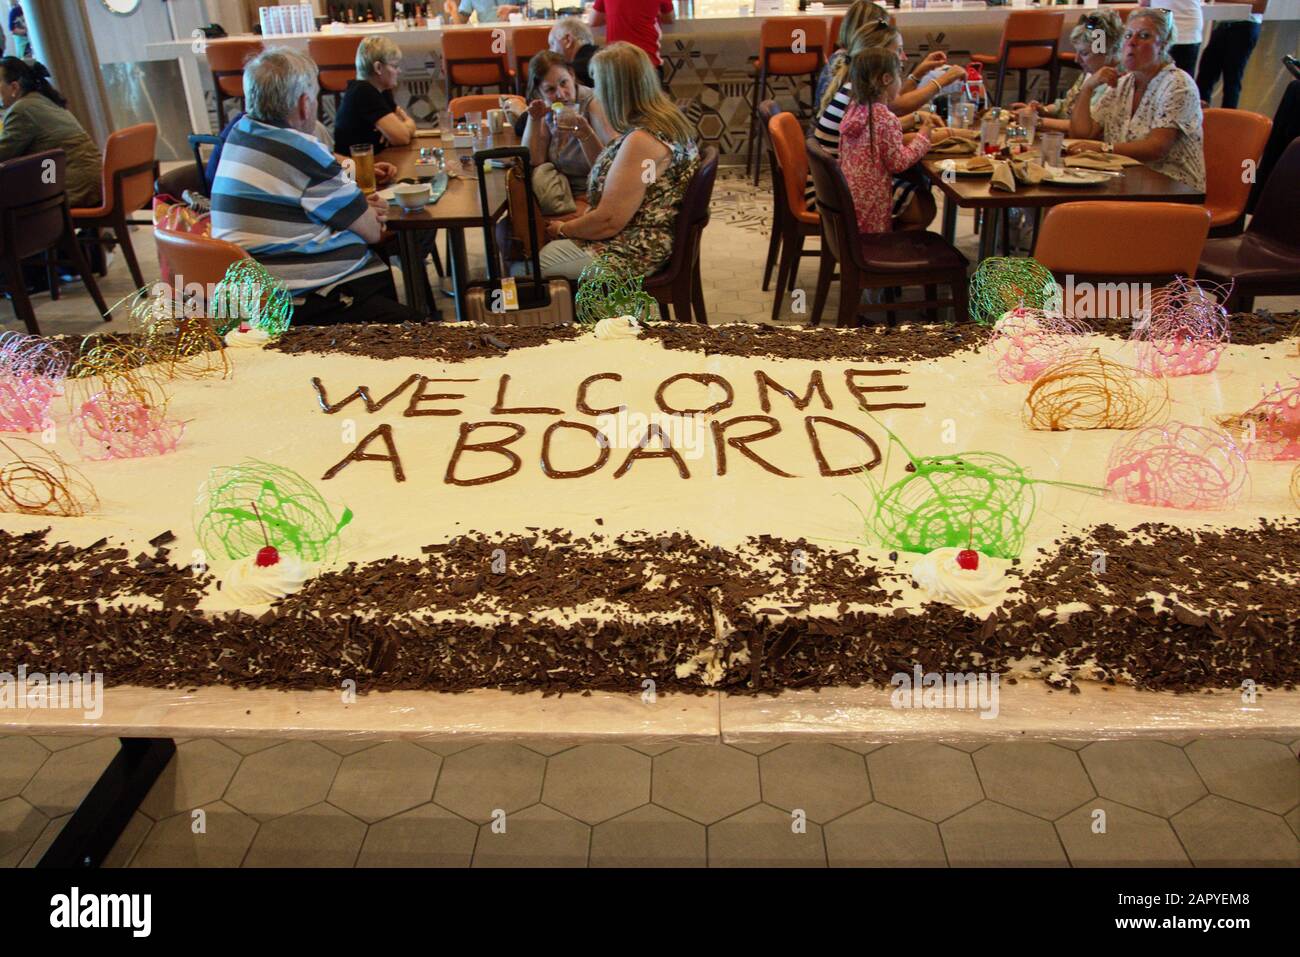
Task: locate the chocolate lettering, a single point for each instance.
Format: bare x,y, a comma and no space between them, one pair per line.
582,405
599,436
704,378
419,395
810,422
815,385
741,442
500,407
359,454
666,452
362,392
498,446
858,391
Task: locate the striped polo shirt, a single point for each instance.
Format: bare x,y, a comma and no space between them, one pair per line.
280,195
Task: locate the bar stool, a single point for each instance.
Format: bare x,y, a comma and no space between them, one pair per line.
226,58
1030,41
128,186
336,58
476,59
775,58
527,42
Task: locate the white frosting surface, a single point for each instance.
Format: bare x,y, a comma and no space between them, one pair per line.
940,577
254,338
246,584
617,327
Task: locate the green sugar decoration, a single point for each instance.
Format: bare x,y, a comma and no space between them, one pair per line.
295,517
248,293
606,289
1000,284
979,500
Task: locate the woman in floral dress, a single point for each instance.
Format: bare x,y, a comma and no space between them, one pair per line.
638,181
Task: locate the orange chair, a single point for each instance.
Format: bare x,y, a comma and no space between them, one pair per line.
336,58
129,173
1030,41
461,106
1233,139
778,42
833,34
526,43
476,59
796,222
1080,239
226,59
193,258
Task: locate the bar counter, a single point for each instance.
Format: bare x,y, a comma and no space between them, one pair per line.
707,58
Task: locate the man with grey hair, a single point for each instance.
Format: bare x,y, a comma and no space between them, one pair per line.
280,194
573,40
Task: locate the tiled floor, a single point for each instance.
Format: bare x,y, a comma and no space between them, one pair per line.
264,803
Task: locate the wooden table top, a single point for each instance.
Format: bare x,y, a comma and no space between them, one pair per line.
1137,184
459,206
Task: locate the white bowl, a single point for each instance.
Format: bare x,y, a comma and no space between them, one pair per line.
412,196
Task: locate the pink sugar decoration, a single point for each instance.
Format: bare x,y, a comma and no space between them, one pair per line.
1177,466
120,426
1186,330
1026,341
1270,429
25,403
32,370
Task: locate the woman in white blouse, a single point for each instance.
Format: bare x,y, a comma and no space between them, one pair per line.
1152,113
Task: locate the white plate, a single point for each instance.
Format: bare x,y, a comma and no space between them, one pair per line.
1071,176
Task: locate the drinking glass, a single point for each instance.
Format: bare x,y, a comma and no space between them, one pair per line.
363,155
990,133
446,127
1028,119
1050,147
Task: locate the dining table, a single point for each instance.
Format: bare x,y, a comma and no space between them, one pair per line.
974,191
459,208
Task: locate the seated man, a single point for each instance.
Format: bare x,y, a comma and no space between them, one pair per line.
573,40
281,195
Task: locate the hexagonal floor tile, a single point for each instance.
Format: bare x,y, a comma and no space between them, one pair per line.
385,780
129,841
704,782
20,758
476,782
929,780
1039,778
1263,774
1149,775
197,774
538,836
595,782
823,780
345,746
280,780
1131,838
61,742
1222,833
248,745
68,775
881,836
1294,820
318,836
990,835
223,842
20,825
43,842
649,836
652,750
444,747
764,836
426,836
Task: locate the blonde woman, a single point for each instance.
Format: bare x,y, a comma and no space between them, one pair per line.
860,12
368,112
637,182
1151,113
1097,40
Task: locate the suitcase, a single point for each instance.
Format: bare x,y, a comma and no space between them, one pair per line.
541,302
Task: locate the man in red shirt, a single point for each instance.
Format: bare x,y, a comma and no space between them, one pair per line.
636,21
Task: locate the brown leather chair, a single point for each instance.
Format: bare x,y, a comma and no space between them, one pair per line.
775,58
336,58
1232,139
1265,259
129,173
679,281
798,222
1030,41
881,261
226,59
766,110
193,258
525,43
476,59
33,220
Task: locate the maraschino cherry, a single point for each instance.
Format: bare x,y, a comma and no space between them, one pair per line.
268,555
968,559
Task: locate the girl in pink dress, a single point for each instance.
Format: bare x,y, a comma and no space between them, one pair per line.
872,149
